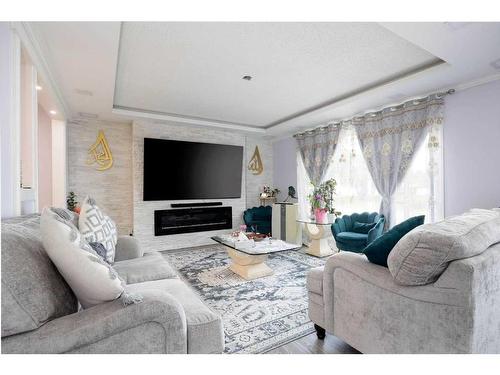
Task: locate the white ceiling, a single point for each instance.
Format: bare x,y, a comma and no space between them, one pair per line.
196,69
304,74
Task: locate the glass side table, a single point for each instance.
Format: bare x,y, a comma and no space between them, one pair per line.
319,246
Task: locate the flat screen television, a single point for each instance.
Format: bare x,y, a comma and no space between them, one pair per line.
178,170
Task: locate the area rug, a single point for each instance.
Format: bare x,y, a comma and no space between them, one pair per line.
258,315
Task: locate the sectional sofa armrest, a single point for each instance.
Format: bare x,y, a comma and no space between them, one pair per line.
127,247
157,324
380,277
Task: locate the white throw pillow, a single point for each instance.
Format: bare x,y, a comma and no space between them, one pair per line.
92,280
95,226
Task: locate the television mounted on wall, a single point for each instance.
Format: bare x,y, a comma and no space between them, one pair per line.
180,170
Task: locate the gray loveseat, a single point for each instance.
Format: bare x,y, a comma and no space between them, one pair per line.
360,303
40,312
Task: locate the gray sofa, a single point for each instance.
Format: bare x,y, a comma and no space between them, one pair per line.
360,303
40,312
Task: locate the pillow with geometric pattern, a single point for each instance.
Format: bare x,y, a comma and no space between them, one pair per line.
95,226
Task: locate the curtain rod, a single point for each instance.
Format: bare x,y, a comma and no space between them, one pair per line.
392,107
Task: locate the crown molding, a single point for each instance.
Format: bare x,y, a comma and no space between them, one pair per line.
434,65
36,49
477,82
458,88
133,112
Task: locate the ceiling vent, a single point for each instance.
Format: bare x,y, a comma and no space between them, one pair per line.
84,92
86,115
457,25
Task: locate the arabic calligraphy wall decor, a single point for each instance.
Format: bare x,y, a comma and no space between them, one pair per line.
100,153
255,164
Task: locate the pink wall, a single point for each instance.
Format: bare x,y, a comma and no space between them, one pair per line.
44,159
472,149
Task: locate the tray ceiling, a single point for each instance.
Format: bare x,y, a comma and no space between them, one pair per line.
196,69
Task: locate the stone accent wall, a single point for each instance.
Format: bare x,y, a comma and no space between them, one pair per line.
144,211
118,190
255,182
112,188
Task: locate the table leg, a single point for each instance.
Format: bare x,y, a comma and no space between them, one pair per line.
248,266
319,244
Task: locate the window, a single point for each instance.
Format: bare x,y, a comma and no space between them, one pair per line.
419,193
356,191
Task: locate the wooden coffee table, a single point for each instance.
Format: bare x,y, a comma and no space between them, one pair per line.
249,259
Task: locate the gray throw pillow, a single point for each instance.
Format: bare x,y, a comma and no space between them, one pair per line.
99,249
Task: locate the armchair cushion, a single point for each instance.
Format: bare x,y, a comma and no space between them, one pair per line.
378,251
347,237
362,227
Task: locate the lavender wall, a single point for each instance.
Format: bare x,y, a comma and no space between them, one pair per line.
472,149
284,165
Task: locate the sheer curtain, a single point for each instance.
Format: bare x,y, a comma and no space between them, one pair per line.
390,139
304,188
356,191
421,190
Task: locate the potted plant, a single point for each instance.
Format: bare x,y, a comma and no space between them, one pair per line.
322,201
72,203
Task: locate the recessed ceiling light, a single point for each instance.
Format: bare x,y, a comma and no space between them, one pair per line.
39,88
247,78
52,112
87,115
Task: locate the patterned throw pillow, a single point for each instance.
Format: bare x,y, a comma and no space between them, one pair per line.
97,227
92,279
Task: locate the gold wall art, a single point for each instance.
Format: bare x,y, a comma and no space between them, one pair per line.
255,164
100,153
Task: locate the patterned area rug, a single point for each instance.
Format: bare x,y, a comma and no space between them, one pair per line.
258,315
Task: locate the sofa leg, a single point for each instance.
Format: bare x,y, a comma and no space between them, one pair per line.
320,332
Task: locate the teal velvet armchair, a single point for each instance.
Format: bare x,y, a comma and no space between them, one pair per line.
354,232
259,218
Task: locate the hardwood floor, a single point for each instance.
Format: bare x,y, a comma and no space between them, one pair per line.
310,344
